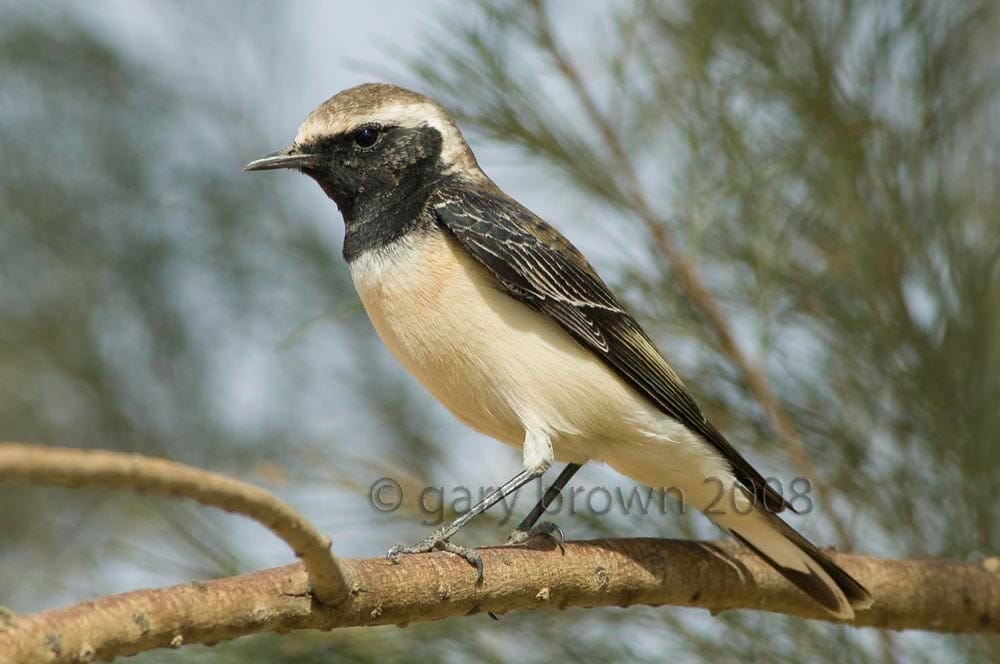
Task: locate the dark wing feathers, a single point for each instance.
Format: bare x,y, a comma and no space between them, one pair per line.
538,266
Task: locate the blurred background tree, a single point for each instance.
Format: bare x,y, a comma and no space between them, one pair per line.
828,169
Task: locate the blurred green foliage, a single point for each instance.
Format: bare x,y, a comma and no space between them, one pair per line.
830,167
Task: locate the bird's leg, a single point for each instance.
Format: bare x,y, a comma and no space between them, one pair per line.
537,459
527,528
439,538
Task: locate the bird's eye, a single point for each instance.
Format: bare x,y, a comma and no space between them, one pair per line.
367,137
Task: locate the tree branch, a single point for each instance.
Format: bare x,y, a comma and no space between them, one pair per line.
930,595
57,466
909,594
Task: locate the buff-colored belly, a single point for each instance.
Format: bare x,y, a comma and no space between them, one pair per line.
503,368
495,363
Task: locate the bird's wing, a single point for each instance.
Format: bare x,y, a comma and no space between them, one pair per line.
538,266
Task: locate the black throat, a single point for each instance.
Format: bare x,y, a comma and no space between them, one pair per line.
382,217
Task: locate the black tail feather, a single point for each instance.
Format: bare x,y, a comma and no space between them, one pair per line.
811,584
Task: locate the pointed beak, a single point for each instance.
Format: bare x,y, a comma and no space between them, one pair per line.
288,158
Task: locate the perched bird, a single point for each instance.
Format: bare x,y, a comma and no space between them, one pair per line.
501,319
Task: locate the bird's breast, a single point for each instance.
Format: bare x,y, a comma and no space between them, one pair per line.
494,362
423,302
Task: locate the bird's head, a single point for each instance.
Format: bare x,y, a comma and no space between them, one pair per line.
373,143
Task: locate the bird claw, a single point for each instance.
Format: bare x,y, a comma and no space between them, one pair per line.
544,529
433,543
470,555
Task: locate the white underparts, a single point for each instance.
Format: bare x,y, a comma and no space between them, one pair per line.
537,452
506,370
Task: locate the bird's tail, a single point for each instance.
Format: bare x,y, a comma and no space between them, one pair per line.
798,560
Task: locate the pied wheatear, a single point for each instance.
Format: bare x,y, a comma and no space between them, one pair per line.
501,319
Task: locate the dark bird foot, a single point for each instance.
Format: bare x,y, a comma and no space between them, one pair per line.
436,543
544,529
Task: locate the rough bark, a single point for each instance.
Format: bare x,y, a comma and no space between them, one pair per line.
910,594
324,593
